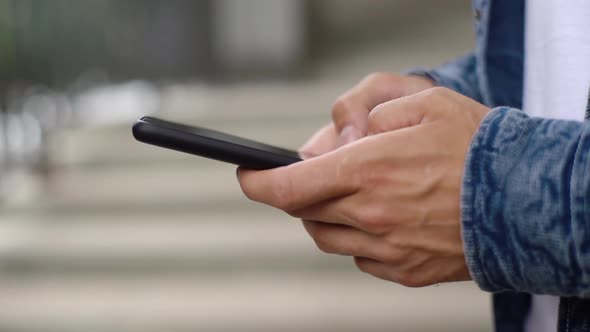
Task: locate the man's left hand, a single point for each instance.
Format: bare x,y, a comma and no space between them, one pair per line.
392,199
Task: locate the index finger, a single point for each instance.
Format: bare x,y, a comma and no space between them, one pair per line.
352,108
301,184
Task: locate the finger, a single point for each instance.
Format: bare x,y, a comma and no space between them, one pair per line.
350,133
430,272
395,114
342,240
391,273
322,142
302,184
375,268
340,211
408,111
350,110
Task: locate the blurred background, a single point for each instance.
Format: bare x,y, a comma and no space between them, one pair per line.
100,233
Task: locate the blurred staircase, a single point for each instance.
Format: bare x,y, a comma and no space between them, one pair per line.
126,237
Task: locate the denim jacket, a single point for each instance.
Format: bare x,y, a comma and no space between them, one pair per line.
526,189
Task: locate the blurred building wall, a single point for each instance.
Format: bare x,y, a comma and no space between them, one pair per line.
55,41
246,41
335,23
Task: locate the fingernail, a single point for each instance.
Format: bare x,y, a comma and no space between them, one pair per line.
349,134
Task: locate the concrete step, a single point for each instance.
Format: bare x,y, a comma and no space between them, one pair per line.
105,169
197,181
281,114
203,244
243,302
195,185
127,237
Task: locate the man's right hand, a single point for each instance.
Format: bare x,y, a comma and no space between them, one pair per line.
351,110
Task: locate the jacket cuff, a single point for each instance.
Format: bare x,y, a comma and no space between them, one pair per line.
470,199
524,227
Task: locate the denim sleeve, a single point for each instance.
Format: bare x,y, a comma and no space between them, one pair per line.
525,205
459,75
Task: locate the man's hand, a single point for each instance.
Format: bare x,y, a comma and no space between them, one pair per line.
351,110
392,199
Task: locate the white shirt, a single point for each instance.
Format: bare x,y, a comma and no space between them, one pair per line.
557,80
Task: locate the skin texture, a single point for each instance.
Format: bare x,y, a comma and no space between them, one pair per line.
391,199
351,110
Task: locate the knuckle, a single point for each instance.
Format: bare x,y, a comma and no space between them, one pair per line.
374,119
345,104
320,236
451,100
381,78
361,264
325,247
409,279
341,108
377,224
375,113
443,98
440,94
377,76
440,91
373,219
322,242
394,256
355,215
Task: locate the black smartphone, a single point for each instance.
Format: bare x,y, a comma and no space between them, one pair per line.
212,144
